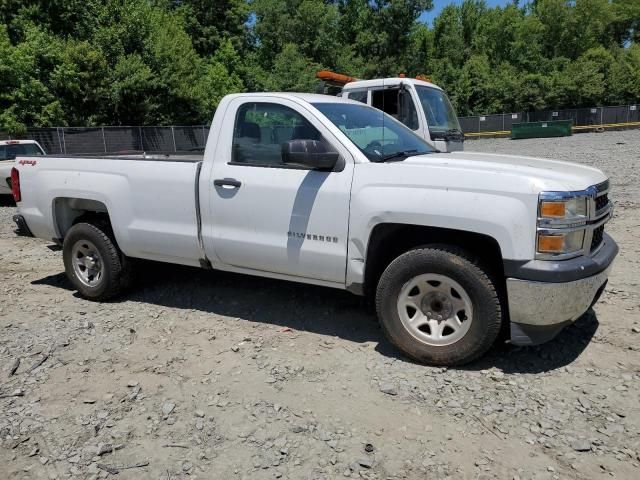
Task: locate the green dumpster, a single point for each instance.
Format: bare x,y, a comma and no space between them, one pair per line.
556,128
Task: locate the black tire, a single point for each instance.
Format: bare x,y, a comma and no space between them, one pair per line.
115,271
455,264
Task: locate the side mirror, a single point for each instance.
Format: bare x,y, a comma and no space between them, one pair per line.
309,153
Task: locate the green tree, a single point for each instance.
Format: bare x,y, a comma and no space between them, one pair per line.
312,25
623,77
132,92
291,72
79,81
83,62
625,27
25,100
211,24
582,82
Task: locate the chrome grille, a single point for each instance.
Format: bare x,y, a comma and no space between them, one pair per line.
602,202
600,206
596,240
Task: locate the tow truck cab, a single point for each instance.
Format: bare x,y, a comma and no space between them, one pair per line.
420,105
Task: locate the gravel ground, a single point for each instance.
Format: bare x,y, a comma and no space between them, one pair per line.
214,375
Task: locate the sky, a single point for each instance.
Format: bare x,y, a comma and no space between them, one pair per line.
438,5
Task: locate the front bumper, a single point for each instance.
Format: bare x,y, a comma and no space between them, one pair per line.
538,309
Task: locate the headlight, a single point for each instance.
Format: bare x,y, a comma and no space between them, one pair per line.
560,243
574,208
562,221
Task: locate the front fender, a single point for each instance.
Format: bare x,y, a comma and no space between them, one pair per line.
508,219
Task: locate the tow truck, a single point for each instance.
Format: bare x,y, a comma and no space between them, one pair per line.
421,105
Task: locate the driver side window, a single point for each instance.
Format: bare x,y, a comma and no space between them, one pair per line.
261,129
398,103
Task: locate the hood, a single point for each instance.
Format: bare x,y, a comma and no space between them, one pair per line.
546,175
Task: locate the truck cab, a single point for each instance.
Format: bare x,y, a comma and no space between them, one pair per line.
420,105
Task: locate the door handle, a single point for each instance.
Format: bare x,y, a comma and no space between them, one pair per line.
227,182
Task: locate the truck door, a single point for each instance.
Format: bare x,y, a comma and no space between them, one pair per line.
397,102
272,217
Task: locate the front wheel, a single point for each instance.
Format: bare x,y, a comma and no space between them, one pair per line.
438,306
93,262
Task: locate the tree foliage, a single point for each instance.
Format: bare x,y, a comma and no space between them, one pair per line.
87,62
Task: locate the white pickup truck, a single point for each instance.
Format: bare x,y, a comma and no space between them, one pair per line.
9,150
328,191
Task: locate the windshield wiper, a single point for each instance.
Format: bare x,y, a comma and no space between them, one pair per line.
402,154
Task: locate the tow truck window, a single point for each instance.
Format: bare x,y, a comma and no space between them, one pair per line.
9,152
358,95
441,116
261,129
398,103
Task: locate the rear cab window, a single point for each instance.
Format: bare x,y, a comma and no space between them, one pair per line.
11,151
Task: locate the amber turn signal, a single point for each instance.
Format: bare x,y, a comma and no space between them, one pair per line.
553,209
550,243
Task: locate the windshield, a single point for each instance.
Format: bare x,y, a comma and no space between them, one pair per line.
379,136
9,152
441,116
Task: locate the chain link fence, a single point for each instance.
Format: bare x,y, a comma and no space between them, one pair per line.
582,117
95,140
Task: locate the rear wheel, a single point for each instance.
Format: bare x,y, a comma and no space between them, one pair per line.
438,306
93,262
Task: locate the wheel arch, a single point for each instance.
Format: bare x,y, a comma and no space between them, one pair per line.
69,211
390,240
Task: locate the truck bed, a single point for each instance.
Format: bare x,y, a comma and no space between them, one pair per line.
153,211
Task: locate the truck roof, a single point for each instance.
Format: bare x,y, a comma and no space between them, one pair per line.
389,82
307,97
17,142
